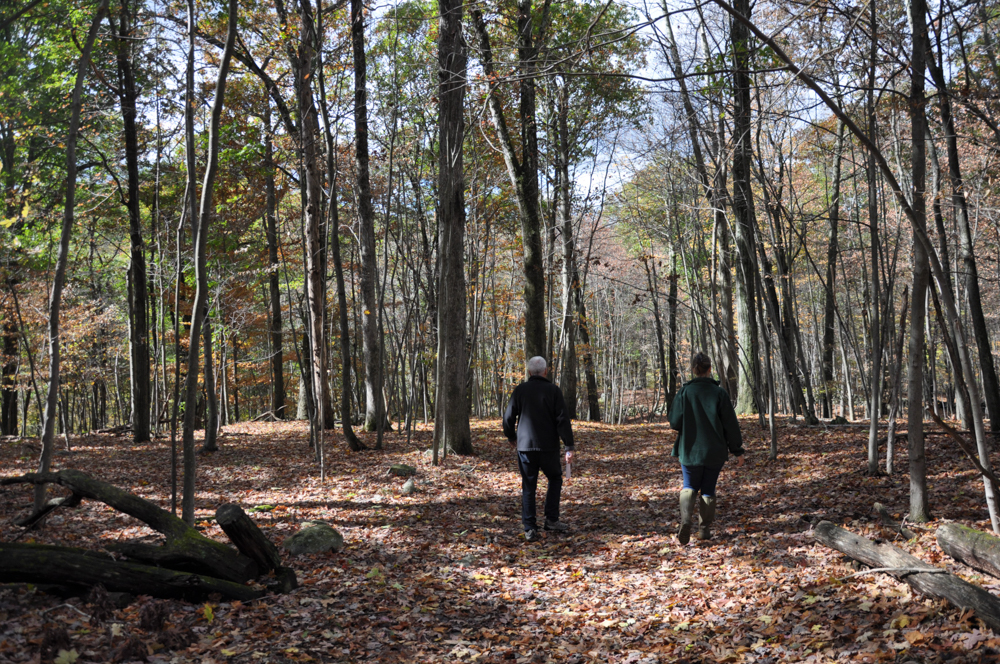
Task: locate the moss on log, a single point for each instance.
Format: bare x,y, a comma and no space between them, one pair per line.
36,563
973,547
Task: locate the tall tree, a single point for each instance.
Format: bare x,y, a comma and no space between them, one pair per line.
273,281
62,258
200,225
315,260
919,508
743,211
830,294
451,404
374,403
523,171
138,298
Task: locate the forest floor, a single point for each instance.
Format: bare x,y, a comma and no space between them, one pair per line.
445,575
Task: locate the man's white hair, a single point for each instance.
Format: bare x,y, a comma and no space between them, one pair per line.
536,366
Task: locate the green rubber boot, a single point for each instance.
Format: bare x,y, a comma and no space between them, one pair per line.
706,515
688,497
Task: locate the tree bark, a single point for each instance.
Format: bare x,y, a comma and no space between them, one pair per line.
333,172
451,417
975,548
323,417
248,538
935,582
9,362
743,209
62,258
374,406
830,295
212,419
569,366
919,507
139,300
274,285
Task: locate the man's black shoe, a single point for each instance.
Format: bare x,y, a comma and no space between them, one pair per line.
531,535
557,526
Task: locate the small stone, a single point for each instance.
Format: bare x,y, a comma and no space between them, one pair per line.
402,470
409,488
316,538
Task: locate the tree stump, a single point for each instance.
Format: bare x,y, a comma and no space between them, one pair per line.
922,577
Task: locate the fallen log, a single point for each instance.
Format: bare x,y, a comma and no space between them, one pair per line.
248,538
975,548
922,577
185,549
37,563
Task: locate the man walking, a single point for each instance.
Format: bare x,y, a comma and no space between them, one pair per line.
534,422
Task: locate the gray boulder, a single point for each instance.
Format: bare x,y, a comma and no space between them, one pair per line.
314,537
409,488
402,470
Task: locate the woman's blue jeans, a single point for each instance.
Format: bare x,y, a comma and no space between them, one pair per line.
701,478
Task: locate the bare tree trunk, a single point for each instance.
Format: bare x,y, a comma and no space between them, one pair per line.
333,172
274,285
451,417
523,173
315,259
830,299
374,406
897,374
743,209
62,258
919,508
875,384
8,389
200,224
569,368
212,421
138,303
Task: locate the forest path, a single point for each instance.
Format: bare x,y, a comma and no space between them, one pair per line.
444,575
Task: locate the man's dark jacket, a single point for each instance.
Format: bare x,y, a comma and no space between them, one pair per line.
536,417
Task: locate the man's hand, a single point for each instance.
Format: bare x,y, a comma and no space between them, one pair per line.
569,456
740,459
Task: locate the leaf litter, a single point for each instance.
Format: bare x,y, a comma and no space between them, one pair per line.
443,574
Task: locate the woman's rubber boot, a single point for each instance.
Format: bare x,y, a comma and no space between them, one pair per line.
706,515
688,497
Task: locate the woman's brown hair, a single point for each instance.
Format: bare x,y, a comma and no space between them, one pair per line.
701,364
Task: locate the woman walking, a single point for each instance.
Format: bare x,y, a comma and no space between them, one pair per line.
708,432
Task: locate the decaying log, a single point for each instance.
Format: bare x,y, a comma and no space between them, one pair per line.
38,563
973,547
891,524
248,538
179,555
186,549
934,582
